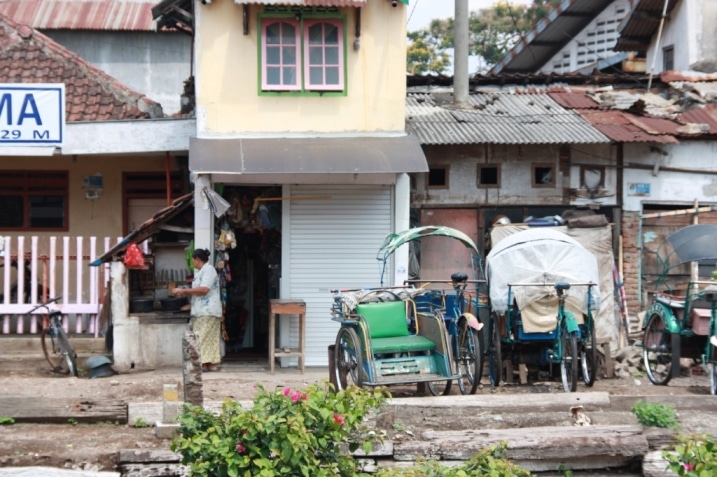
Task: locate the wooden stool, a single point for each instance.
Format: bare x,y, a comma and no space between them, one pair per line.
286,307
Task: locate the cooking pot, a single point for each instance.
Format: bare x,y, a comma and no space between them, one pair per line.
173,303
141,304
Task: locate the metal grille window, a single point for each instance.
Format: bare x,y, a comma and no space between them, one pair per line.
34,200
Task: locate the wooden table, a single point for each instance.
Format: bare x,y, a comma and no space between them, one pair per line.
292,307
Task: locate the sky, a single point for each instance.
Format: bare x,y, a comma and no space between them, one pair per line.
421,12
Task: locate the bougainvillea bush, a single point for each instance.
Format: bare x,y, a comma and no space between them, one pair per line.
693,456
307,432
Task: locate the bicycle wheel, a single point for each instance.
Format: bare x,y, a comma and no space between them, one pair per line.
348,363
470,361
58,352
495,358
657,351
588,354
569,360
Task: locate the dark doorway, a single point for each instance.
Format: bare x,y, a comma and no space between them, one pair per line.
250,233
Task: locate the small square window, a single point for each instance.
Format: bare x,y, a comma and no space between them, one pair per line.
543,175
668,58
592,177
489,176
437,177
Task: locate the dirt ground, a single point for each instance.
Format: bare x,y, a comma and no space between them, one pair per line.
95,446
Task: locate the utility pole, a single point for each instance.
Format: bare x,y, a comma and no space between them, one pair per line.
460,54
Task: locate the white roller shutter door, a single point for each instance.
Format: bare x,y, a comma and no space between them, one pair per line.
332,243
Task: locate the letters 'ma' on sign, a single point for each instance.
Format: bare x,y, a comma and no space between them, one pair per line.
32,114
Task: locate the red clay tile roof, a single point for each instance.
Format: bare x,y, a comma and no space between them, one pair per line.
28,56
80,15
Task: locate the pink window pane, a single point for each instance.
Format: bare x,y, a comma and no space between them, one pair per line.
280,58
323,55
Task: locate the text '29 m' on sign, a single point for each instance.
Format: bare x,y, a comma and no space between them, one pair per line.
32,114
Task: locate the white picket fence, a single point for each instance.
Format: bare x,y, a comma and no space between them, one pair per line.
56,266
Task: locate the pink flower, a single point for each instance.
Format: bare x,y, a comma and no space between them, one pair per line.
338,419
240,449
304,397
286,391
688,466
295,396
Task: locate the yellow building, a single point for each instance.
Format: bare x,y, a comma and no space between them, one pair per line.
300,126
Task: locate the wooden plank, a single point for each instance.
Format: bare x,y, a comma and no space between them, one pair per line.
505,403
543,447
58,410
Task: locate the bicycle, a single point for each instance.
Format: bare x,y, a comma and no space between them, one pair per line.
55,344
463,332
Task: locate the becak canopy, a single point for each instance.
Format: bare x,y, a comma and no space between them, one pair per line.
541,255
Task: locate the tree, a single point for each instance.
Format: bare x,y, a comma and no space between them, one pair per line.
492,32
425,55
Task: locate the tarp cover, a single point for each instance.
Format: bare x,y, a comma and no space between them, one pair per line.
541,255
597,240
695,242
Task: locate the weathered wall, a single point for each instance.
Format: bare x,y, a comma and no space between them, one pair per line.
91,217
227,80
154,64
515,175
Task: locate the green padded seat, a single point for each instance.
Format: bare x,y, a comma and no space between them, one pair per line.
389,330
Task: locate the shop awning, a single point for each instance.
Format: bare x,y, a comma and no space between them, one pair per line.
356,155
147,229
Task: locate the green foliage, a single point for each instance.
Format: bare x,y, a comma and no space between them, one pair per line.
492,32
565,471
286,432
139,423
72,421
425,55
655,414
6,421
693,456
487,462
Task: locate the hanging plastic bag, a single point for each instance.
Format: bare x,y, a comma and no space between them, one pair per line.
133,258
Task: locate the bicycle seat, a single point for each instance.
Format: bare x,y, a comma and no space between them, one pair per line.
55,313
459,277
562,285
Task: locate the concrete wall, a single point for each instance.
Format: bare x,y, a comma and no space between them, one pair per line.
515,175
154,64
690,28
693,157
227,82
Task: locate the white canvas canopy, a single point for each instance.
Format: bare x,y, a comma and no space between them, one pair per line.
541,255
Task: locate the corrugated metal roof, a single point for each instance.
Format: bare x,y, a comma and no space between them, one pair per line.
309,3
497,118
549,35
706,115
573,100
148,228
637,29
625,127
80,14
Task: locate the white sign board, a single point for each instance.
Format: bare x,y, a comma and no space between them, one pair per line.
32,114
